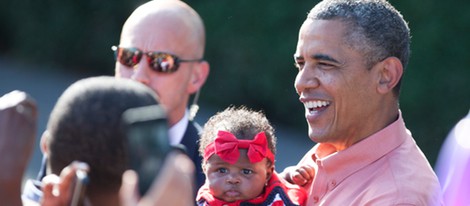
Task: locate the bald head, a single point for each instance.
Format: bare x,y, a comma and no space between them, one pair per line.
170,25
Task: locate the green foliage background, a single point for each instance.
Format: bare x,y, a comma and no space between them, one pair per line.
250,46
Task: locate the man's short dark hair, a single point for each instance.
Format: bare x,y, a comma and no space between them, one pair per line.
85,125
374,28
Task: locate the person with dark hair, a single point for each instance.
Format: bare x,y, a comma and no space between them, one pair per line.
162,46
351,56
85,125
238,146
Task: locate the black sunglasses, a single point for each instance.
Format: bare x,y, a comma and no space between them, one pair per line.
159,61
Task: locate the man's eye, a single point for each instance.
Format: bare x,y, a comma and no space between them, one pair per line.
323,65
299,65
247,171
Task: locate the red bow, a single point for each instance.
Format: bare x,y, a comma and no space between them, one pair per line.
226,146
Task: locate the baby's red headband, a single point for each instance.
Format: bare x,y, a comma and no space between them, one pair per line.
226,146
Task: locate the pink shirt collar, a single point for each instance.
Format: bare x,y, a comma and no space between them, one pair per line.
362,153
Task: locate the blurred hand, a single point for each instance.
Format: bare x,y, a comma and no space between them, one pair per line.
18,124
57,191
173,186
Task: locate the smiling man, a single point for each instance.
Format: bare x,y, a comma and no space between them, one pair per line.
351,56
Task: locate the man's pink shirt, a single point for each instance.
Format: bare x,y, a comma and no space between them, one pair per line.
386,168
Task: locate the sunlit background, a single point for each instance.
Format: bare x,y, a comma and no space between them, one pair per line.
47,45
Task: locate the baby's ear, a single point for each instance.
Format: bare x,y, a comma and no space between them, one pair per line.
269,171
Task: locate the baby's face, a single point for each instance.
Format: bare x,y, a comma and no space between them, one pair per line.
240,181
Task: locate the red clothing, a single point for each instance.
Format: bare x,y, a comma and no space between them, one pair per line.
278,192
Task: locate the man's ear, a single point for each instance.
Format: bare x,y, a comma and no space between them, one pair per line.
390,72
198,76
43,144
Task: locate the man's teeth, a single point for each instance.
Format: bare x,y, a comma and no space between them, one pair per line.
316,104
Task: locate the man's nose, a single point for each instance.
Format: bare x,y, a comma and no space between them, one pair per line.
306,79
141,72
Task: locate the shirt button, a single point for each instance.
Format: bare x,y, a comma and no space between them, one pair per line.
333,183
315,199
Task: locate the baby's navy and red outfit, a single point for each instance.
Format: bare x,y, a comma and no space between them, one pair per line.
278,192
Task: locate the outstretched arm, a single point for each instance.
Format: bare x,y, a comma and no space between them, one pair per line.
18,124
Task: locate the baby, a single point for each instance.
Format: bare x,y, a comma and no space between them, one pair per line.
238,149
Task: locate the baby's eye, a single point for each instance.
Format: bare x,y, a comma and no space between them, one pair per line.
247,171
222,170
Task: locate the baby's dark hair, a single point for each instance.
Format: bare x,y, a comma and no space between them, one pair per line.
242,122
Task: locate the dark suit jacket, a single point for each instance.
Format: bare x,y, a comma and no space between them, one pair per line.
191,142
